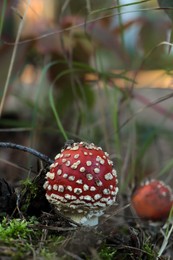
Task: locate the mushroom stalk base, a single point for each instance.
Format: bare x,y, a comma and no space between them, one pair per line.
84,220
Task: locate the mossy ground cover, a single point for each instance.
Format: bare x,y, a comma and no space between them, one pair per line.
49,235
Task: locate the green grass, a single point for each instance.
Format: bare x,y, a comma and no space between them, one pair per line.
2,16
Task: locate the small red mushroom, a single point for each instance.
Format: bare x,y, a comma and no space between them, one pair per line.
81,182
152,200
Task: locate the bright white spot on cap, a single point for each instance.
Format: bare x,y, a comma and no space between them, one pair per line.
75,165
69,188
82,169
55,164
71,178
64,160
106,154
79,181
67,163
61,188
97,196
57,156
46,184
55,197
65,175
90,153
75,148
88,163
108,176
77,190
55,187
96,170
89,176
110,162
59,172
50,175
98,158
67,155
87,197
114,173
49,187
73,197
102,161
92,188
67,196
115,191
85,187
76,156
99,183
106,191
52,165
85,153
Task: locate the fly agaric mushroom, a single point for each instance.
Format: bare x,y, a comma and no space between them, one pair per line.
81,182
152,200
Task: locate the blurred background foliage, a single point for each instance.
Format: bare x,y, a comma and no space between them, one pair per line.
70,80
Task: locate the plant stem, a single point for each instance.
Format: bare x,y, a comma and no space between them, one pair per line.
32,151
165,242
2,17
12,60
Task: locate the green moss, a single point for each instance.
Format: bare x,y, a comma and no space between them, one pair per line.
14,229
149,251
107,253
20,239
15,236
28,185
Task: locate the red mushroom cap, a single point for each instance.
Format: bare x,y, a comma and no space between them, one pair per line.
82,181
152,200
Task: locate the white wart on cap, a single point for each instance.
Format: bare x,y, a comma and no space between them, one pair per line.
82,182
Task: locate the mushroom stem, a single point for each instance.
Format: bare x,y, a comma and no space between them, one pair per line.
82,219
32,151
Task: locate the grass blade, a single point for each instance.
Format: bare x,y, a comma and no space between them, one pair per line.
52,103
